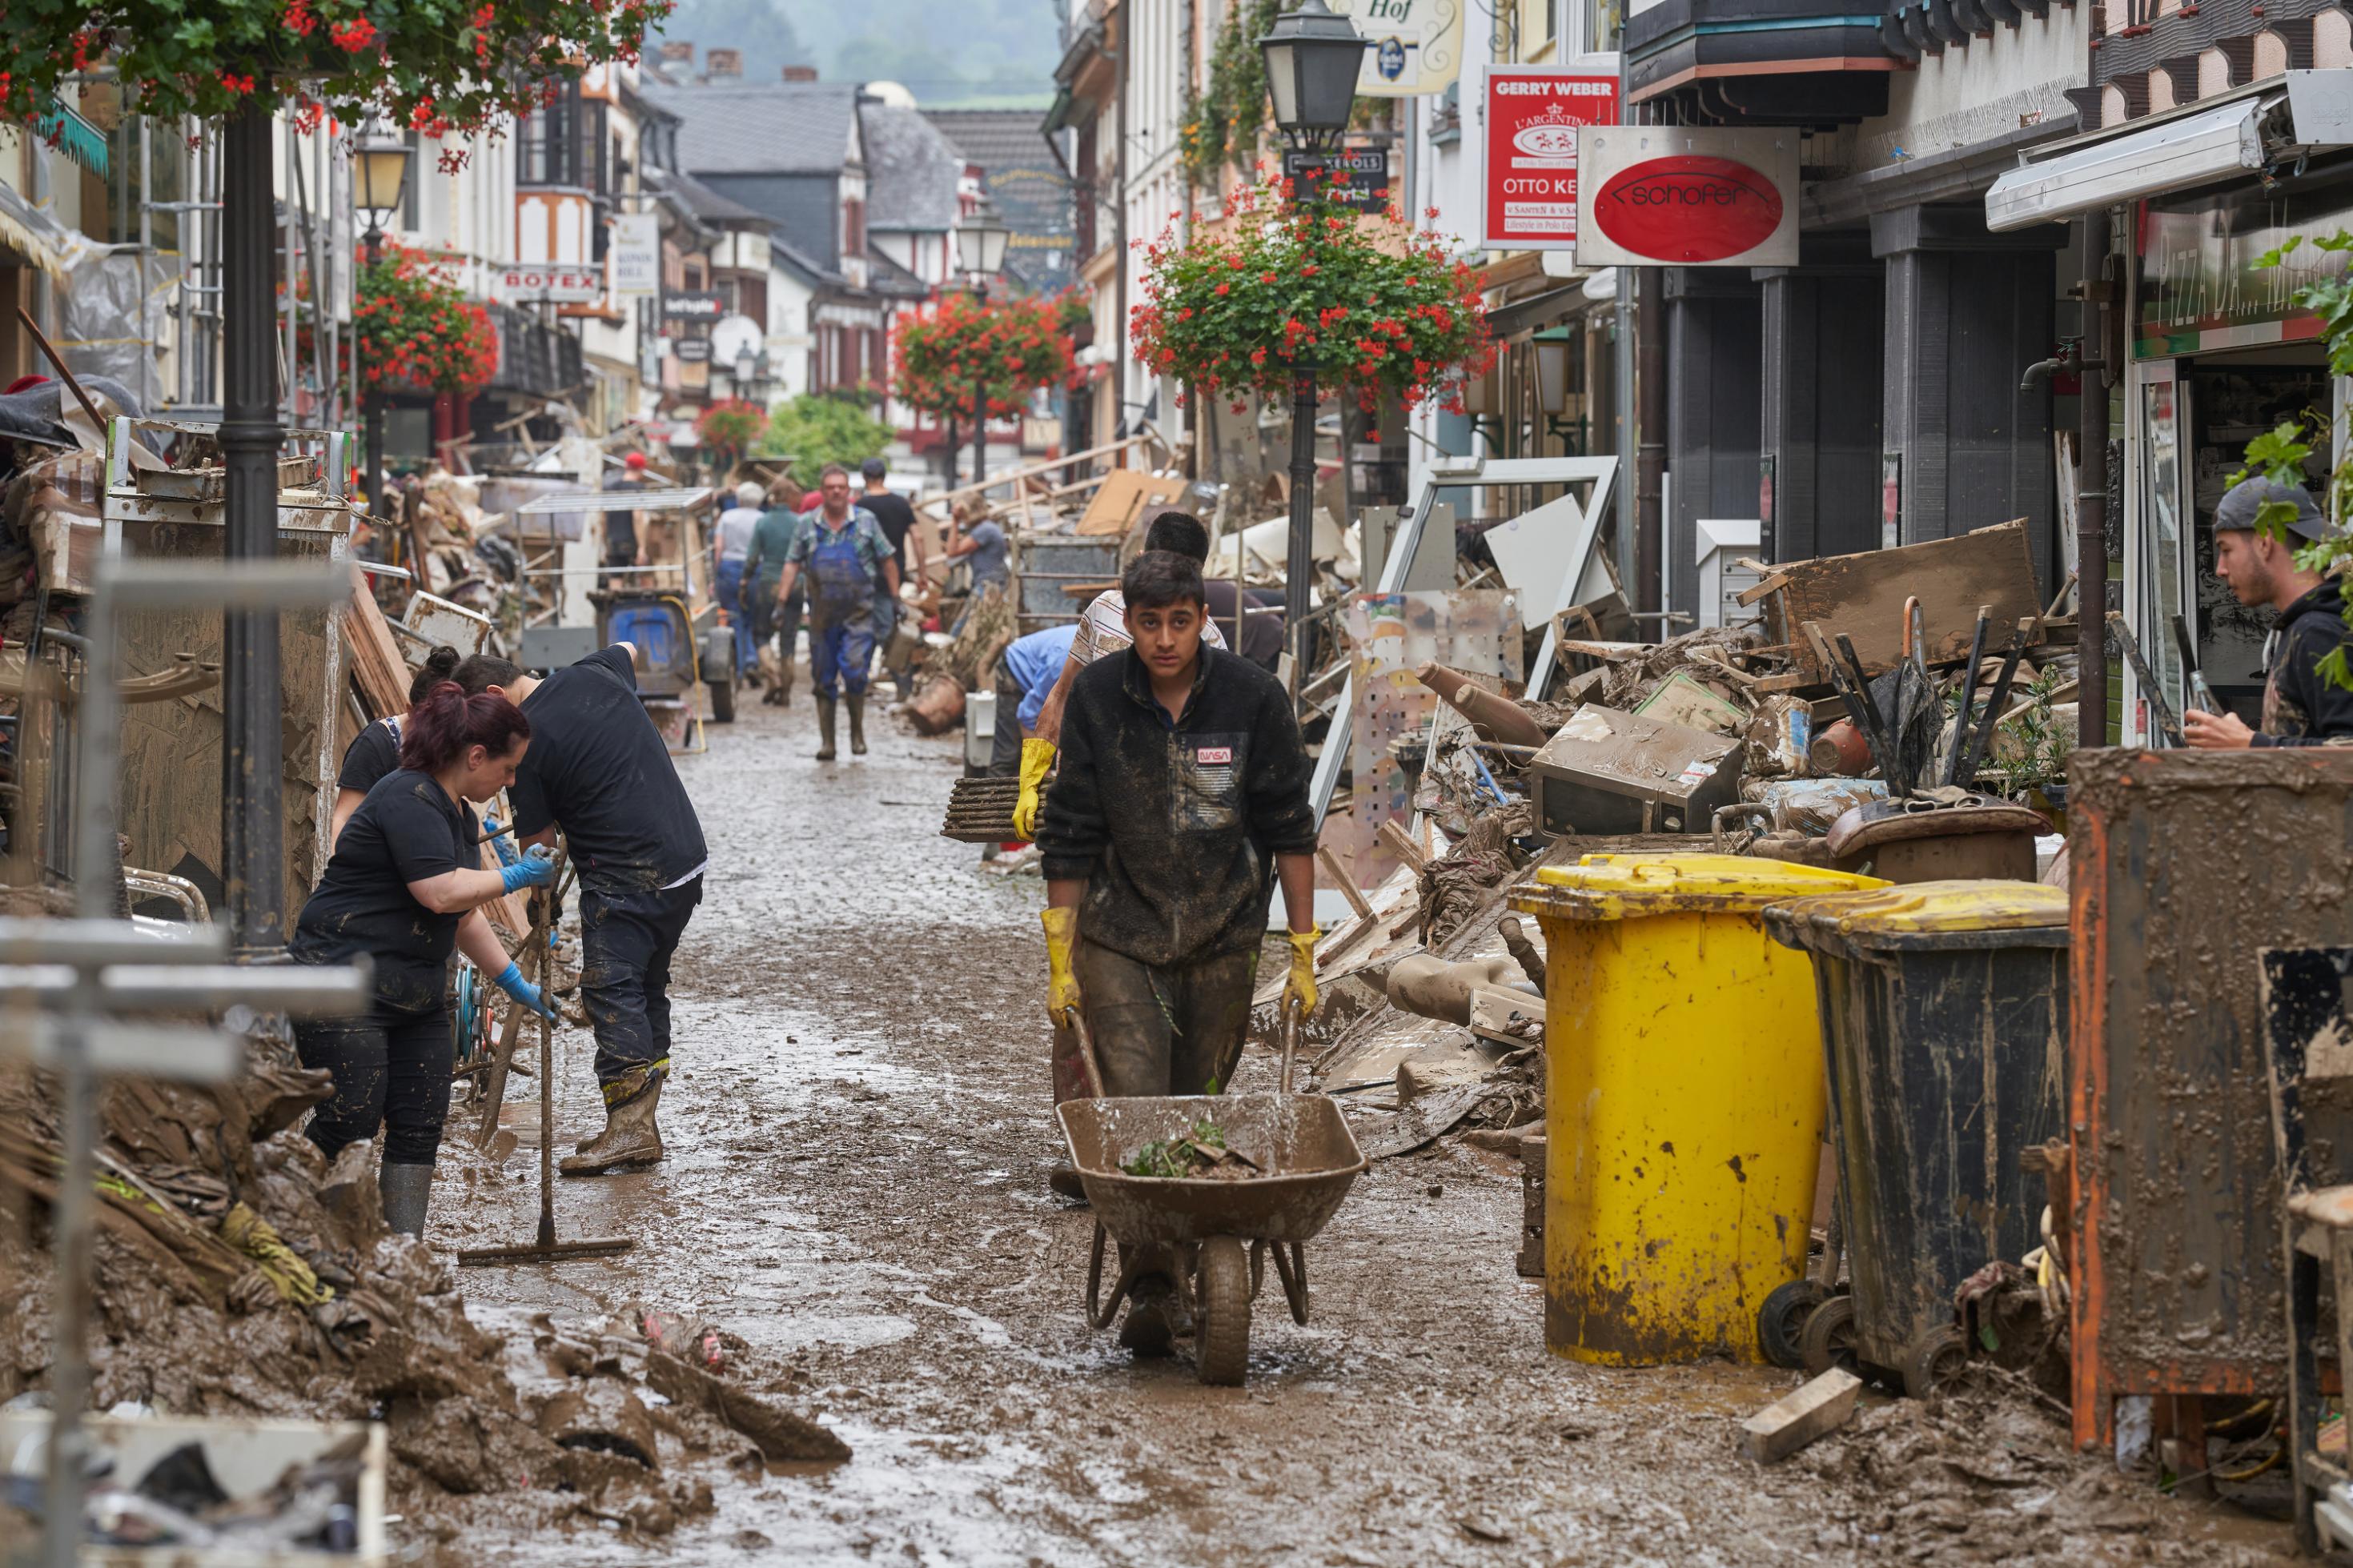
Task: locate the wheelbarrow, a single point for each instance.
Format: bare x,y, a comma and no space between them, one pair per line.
1220,1230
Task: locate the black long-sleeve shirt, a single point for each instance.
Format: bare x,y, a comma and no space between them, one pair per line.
2301,706
1174,827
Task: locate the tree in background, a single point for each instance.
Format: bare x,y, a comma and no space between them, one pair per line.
815,429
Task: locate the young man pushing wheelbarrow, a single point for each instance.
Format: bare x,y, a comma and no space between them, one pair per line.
1183,785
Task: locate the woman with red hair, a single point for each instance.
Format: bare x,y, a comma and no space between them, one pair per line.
403,886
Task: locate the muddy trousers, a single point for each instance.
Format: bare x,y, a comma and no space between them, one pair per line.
626,943
1158,1029
731,599
841,651
391,1070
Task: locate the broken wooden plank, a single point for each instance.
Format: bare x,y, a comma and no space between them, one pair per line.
1344,881
1862,595
1398,839
1791,1422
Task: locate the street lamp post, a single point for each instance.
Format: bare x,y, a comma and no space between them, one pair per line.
379,173
981,239
1313,56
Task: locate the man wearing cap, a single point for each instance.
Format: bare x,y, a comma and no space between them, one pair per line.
898,521
622,548
2302,707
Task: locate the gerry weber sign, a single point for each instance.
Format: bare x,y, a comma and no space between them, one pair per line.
1666,196
1528,119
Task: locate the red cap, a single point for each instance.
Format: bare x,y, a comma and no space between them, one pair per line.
634,460
22,384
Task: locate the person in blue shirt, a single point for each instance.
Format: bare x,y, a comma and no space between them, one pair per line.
1025,679
845,554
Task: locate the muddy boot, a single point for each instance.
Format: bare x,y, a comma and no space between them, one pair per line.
407,1191
630,1137
1151,1304
784,685
856,703
824,729
1064,1182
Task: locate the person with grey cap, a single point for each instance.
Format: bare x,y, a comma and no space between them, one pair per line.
2302,707
729,543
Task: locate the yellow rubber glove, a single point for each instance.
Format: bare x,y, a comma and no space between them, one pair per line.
1062,985
1299,985
1036,760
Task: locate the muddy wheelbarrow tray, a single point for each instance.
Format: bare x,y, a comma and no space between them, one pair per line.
1309,1160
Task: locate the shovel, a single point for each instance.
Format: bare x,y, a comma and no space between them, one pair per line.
546,1248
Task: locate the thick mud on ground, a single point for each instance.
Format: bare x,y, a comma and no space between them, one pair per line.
859,1133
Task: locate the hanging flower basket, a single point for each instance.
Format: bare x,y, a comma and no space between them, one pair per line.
416,331
728,429
941,357
1292,285
439,69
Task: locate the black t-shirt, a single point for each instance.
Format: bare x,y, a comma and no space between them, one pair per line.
621,527
1261,639
374,753
896,517
597,768
409,829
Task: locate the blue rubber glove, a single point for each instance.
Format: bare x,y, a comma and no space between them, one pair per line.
501,842
535,870
523,991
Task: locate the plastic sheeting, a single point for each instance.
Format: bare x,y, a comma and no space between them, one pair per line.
113,323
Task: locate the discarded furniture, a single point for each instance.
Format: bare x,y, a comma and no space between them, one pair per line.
2308,1037
2185,866
1926,838
1609,773
1944,1020
1864,593
1687,1123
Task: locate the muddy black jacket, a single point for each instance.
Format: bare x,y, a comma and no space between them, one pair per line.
2301,706
1174,830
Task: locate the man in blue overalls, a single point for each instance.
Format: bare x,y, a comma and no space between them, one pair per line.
845,554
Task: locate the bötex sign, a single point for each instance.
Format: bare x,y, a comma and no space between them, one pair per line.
1688,208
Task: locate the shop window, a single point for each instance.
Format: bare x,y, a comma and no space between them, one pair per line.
1605,25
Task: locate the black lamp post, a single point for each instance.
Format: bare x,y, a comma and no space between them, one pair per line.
379,175
981,239
1312,58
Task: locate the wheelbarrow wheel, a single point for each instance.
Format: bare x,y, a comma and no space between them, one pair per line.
1222,1329
1781,1321
1933,1361
1828,1338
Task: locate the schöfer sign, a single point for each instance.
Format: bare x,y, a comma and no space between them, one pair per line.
1686,197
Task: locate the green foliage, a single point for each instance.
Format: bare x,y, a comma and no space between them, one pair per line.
1172,1159
814,430
1222,125
939,360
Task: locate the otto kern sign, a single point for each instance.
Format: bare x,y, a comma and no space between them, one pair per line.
1529,118
1664,196
530,281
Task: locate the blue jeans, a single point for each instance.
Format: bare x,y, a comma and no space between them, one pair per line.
840,653
731,599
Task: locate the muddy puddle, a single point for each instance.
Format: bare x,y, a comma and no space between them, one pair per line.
858,1136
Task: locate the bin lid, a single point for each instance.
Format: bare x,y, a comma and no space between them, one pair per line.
1671,882
1977,912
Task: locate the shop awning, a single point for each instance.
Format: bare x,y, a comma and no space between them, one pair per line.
2282,119
1525,316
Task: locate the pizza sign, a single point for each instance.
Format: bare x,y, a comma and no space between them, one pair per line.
1529,120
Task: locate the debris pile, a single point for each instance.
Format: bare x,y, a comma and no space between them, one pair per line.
238,1273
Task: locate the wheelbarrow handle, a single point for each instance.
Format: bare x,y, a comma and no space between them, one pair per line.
1290,1022
1075,1021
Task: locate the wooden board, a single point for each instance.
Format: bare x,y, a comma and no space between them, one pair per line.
1122,498
1862,595
170,788
379,671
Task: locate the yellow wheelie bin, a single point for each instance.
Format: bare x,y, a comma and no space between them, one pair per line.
1683,1109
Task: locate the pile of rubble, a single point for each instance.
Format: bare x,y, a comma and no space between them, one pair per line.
1827,729
238,1273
